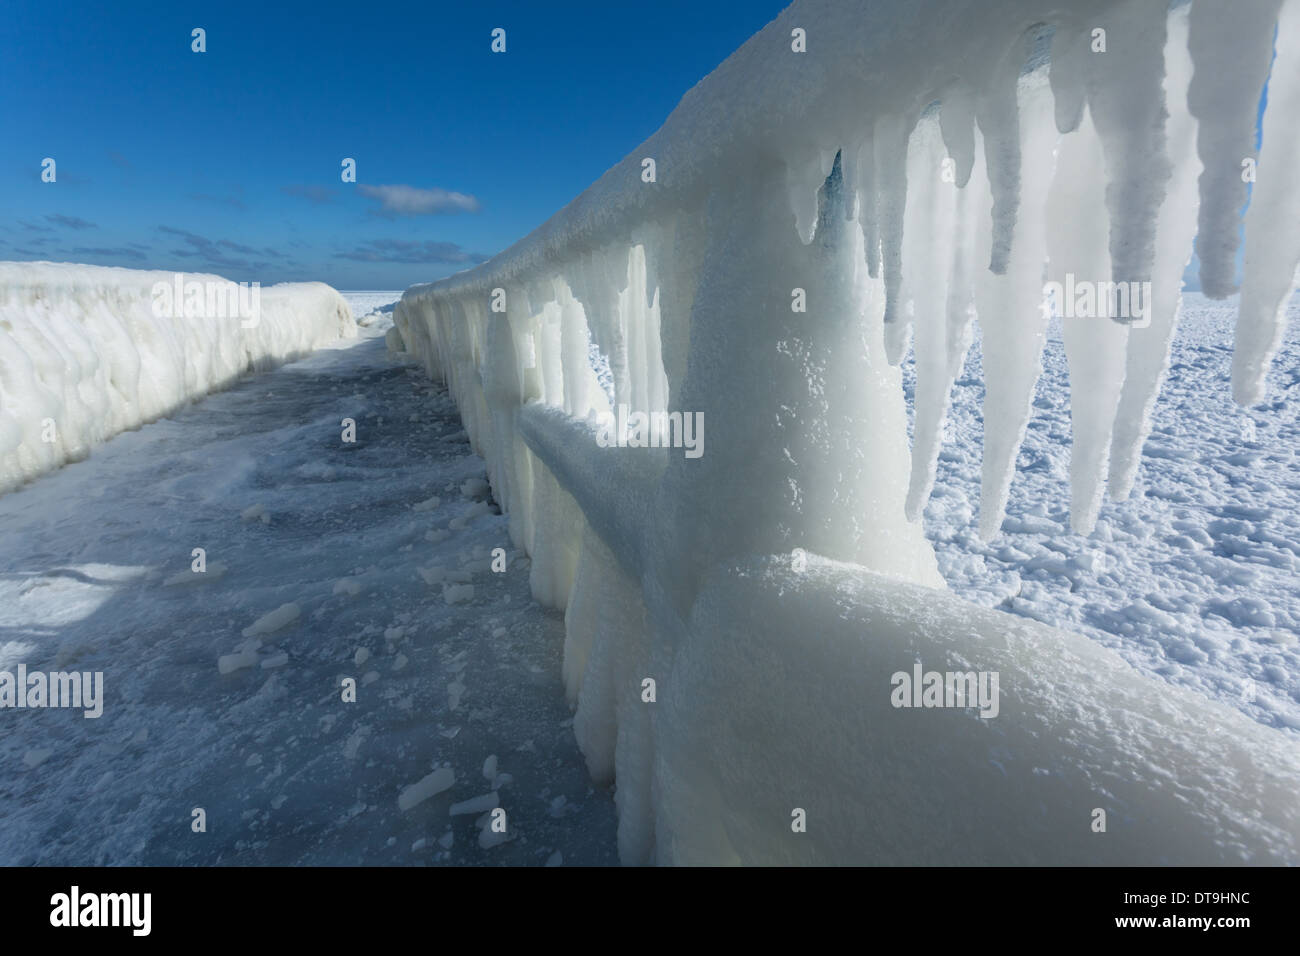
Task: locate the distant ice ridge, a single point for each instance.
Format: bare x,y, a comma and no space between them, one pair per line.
925,164
84,354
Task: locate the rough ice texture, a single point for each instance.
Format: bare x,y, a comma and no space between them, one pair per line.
81,349
923,165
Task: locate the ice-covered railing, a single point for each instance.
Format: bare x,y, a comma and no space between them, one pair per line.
855,173
87,352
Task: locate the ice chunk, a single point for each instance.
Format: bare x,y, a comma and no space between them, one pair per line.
429,786
458,593
214,571
474,488
488,801
256,512
273,621
229,663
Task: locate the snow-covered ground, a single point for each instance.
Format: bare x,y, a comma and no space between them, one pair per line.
383,549
1194,578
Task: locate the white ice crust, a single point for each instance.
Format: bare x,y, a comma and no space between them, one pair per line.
84,354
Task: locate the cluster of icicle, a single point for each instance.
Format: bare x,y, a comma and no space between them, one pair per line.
1094,174
992,147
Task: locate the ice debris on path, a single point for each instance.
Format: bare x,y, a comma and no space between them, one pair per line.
458,593
246,656
429,786
256,512
214,571
273,621
348,586
488,801
474,488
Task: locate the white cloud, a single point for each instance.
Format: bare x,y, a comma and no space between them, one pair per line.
411,201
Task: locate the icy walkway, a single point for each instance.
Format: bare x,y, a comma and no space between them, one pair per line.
95,576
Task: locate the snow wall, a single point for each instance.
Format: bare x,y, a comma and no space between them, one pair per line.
922,165
85,354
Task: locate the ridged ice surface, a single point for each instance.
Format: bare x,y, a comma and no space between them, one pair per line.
83,356
926,168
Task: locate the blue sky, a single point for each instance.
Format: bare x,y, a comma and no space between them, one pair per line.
228,161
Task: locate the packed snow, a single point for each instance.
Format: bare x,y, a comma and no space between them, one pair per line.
799,225
87,352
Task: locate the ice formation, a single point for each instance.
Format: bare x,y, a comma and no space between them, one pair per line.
923,166
84,354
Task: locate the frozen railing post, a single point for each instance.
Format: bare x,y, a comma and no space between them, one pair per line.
727,682
804,418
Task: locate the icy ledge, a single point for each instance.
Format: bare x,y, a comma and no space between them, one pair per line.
84,356
924,164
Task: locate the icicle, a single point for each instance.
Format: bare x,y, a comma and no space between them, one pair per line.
1231,46
1128,110
999,118
890,141
803,178
1272,222
1070,51
1148,348
868,211
682,247
849,167
1010,305
574,338
927,262
603,277
967,256
957,122
1077,237
970,255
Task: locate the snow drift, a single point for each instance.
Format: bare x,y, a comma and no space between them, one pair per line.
761,261
85,354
